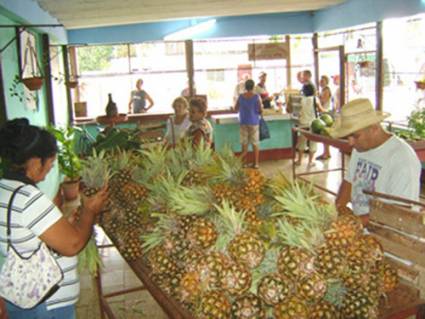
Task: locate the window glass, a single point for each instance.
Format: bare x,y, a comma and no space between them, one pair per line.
220,64
404,64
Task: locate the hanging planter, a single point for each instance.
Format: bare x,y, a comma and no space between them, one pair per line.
72,84
364,64
33,84
420,85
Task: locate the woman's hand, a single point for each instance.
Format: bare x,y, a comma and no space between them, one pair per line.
94,204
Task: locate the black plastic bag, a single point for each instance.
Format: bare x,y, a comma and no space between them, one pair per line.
264,130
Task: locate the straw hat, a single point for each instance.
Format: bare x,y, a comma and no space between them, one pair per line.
356,115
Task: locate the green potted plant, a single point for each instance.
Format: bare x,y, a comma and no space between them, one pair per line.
68,160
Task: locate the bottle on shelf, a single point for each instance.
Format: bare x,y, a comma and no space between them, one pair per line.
111,107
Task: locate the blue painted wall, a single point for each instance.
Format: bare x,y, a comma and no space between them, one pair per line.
356,12
16,108
29,12
350,13
266,24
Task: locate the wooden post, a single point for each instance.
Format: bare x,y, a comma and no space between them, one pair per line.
67,78
189,65
288,62
73,70
48,77
316,59
379,79
342,75
3,112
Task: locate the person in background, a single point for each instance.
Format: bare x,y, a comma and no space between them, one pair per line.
380,161
336,95
325,97
179,123
30,153
308,88
261,90
240,87
307,115
138,99
249,107
200,129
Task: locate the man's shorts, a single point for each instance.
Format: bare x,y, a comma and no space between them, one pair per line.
249,134
302,143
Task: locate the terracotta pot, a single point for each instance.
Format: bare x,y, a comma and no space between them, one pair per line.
70,190
420,85
72,84
80,109
34,83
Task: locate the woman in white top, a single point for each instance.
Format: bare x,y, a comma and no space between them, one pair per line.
179,123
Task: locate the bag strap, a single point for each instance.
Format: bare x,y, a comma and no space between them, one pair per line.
9,215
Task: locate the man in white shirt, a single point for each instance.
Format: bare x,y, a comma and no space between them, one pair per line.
240,88
380,161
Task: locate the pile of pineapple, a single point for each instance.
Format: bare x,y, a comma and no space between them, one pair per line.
226,242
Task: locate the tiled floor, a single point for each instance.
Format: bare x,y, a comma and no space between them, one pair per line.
116,275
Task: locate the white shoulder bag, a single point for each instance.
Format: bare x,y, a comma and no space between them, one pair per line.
28,281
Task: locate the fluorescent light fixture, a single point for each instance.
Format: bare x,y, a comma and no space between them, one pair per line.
189,32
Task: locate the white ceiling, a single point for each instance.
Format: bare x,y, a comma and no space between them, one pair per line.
94,13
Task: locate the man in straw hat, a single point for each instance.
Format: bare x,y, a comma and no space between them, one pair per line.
380,161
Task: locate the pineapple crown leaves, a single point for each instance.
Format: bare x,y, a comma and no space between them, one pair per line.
95,171
300,235
229,223
162,187
267,266
299,203
154,160
190,201
165,225
120,160
229,170
279,182
335,292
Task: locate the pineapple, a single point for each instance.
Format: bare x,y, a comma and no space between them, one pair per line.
273,289
160,262
190,288
291,308
295,263
248,306
312,288
243,246
330,263
167,234
214,305
129,244
211,269
202,234
388,276
358,305
236,279
95,173
122,171
344,231
324,310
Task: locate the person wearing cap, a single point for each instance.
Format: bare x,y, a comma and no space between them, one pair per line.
380,161
261,90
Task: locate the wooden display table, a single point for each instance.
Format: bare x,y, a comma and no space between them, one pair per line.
402,303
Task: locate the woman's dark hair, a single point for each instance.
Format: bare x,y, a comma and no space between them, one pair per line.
199,104
249,85
20,141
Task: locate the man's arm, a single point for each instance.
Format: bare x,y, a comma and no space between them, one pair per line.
150,100
344,195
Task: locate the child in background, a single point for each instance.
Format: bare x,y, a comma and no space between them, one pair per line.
201,129
249,107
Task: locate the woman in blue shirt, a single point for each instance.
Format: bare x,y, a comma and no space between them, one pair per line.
250,107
